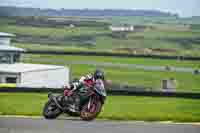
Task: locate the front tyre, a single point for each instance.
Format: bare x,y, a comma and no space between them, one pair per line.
91,113
51,111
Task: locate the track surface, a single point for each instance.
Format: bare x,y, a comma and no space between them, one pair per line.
62,125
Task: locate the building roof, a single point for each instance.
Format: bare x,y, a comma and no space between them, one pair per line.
7,48
3,34
23,68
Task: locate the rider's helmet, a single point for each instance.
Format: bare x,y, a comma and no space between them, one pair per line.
99,74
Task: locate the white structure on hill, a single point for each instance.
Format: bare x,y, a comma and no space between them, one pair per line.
121,28
28,75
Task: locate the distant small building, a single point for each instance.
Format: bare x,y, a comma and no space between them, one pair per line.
27,75
121,28
71,26
169,85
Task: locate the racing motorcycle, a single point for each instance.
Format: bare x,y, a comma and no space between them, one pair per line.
85,102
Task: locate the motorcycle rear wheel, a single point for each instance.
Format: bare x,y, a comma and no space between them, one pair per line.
51,111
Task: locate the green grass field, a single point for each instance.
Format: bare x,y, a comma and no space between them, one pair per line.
187,82
109,43
167,33
52,32
165,36
170,35
123,60
151,79
116,107
29,46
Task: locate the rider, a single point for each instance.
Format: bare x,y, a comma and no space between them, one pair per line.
95,80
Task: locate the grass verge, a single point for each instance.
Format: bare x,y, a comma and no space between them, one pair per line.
116,107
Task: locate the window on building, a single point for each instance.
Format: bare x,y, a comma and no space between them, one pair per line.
1,80
5,58
11,80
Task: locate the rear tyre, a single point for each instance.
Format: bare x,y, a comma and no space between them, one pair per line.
91,113
51,111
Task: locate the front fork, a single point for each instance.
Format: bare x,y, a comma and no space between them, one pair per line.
90,102
92,99
52,97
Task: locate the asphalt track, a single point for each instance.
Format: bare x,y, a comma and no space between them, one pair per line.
63,125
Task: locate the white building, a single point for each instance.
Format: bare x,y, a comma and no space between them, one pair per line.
28,75
34,75
5,38
8,54
121,28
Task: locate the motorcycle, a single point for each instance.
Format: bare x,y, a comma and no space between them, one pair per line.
86,102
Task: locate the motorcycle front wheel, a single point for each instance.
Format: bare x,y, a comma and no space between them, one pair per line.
91,113
51,111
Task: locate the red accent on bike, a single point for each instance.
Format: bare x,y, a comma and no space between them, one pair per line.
65,92
92,108
89,83
68,92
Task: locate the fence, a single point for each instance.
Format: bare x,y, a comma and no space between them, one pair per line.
113,55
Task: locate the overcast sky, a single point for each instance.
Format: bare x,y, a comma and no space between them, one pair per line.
184,8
